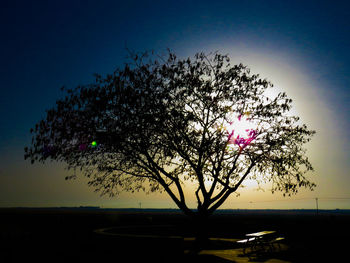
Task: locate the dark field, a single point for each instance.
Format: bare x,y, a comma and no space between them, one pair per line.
68,235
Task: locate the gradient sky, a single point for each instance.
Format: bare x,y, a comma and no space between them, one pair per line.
300,46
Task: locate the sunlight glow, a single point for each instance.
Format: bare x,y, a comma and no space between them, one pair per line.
241,131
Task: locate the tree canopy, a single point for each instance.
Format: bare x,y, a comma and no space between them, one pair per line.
161,121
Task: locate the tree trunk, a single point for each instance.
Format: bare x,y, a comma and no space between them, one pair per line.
201,230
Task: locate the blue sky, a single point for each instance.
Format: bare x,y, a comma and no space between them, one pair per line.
302,45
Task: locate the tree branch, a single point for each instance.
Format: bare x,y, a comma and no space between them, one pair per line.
226,191
221,201
244,176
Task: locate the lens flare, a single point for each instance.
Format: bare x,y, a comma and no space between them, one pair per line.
82,147
241,131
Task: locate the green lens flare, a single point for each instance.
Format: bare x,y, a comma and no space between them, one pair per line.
94,144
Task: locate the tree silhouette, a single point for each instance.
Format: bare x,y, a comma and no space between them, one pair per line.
161,121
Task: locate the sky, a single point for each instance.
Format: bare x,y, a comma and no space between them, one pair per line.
302,47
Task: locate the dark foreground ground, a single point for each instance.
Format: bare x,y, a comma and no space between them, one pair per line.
68,235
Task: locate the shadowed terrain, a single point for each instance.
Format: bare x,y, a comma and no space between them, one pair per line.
69,235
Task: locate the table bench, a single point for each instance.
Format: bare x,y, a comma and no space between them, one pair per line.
260,241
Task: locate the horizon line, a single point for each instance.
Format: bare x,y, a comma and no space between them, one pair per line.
175,209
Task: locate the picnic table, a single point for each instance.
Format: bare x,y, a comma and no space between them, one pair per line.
260,241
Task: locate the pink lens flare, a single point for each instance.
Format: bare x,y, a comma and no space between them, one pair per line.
241,132
82,147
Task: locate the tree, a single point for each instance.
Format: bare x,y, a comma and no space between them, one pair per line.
161,121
